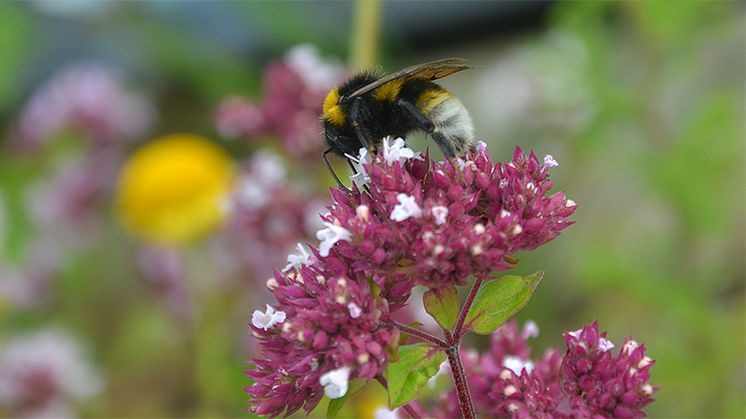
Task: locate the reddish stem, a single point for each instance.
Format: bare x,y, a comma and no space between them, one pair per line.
459,377
420,334
458,331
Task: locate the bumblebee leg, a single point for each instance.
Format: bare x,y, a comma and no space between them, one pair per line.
426,125
334,175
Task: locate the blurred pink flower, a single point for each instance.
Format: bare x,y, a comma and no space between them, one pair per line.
267,217
43,373
164,272
90,98
294,90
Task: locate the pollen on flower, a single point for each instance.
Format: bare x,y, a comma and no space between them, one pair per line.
272,284
406,208
363,358
362,212
517,230
570,203
509,390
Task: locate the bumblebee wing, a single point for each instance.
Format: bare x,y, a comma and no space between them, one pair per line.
430,71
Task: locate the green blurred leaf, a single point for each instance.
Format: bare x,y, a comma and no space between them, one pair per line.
499,300
407,375
442,304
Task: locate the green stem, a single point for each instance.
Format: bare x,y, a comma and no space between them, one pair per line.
366,28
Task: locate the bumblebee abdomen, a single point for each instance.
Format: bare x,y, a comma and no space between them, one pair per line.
449,116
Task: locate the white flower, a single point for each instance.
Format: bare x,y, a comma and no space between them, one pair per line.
440,213
355,310
518,365
603,344
549,161
385,413
335,382
267,319
397,151
530,329
407,208
330,235
360,178
296,260
251,194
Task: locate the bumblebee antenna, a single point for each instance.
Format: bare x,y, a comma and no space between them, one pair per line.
334,175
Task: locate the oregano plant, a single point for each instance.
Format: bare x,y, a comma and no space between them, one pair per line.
441,225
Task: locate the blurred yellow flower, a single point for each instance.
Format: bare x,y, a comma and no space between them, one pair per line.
173,189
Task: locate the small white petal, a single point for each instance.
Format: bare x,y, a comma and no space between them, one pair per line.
518,365
530,329
355,310
440,214
407,208
267,319
296,260
331,235
549,161
385,413
335,382
605,345
396,151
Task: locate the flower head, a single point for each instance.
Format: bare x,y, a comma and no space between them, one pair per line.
42,373
173,189
459,222
335,329
588,381
89,97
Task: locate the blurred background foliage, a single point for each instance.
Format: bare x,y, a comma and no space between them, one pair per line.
642,104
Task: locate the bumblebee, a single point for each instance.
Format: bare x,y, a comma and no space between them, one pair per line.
368,107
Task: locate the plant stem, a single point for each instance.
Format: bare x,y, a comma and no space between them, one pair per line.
458,330
411,411
420,334
459,377
366,27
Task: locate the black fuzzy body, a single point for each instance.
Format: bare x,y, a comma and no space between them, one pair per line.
376,118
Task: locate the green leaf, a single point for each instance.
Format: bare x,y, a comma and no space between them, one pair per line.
407,375
442,304
499,300
335,405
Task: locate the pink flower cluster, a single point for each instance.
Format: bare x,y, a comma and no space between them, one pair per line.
441,224
267,217
588,381
331,324
90,98
423,222
294,89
